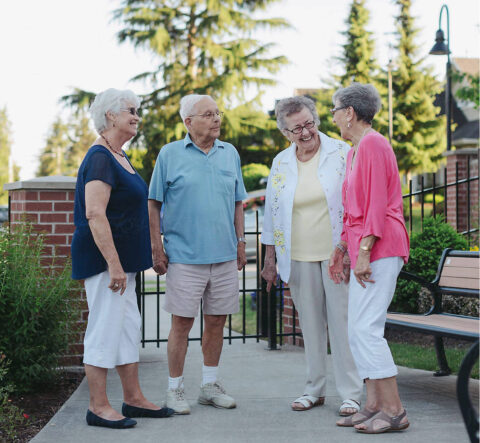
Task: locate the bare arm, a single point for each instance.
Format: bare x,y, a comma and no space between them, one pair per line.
160,260
269,271
239,222
363,270
97,195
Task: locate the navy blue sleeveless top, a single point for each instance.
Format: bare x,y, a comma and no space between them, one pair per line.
127,213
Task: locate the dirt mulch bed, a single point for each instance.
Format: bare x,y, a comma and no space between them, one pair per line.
416,338
40,407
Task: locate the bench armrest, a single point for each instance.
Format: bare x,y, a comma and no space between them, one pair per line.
416,278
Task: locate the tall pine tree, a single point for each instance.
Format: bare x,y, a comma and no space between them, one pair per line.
418,132
8,170
52,157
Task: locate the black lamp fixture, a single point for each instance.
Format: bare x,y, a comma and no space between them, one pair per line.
440,48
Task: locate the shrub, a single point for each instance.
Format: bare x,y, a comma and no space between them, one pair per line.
10,415
428,198
252,173
425,251
36,310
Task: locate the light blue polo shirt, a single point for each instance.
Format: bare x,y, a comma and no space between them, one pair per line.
198,192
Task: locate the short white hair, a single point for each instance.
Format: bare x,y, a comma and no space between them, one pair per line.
112,100
188,102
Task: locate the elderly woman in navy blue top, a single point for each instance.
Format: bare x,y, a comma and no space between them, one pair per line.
111,243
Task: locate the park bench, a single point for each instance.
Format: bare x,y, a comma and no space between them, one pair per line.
457,275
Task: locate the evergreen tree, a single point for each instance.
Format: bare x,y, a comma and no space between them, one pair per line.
81,138
52,157
8,171
204,46
418,132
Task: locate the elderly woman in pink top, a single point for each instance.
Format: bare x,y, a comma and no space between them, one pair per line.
377,242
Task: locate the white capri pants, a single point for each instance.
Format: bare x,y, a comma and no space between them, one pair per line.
113,330
367,313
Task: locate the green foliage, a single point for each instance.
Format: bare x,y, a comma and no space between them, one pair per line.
469,89
252,173
428,198
8,171
418,133
205,47
425,251
66,145
10,415
36,312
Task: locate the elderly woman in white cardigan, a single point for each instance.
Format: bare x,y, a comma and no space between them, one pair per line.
302,225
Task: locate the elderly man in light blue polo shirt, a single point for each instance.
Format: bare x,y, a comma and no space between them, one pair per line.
198,182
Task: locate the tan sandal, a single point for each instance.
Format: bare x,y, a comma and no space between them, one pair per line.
349,421
393,423
307,402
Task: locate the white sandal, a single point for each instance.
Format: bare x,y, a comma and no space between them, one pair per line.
349,404
307,402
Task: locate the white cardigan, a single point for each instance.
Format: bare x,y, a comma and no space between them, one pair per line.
282,182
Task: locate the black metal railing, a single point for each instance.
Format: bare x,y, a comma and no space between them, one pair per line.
269,318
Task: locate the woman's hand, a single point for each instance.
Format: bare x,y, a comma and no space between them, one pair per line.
346,268
160,262
363,270
336,270
269,271
118,278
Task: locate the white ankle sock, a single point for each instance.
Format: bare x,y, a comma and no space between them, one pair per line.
175,382
209,374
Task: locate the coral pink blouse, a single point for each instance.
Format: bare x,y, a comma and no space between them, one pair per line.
372,201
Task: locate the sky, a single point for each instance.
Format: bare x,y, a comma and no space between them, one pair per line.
50,46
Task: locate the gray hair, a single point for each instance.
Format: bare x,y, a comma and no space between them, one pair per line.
293,105
364,99
188,102
112,100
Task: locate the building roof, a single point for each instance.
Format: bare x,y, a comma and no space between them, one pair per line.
469,65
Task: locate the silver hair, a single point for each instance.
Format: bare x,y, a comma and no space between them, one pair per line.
111,100
364,99
188,102
293,105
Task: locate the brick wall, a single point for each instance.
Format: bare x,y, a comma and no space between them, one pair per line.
47,202
462,157
290,318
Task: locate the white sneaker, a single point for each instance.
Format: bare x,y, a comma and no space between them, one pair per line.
176,401
214,394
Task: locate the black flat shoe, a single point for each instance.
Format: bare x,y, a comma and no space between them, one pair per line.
133,411
95,420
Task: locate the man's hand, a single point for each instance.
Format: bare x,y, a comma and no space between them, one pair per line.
241,256
160,262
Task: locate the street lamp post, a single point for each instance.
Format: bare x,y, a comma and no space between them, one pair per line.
440,48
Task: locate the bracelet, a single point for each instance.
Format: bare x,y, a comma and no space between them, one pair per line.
341,247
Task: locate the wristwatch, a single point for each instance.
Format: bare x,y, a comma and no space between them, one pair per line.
365,248
241,239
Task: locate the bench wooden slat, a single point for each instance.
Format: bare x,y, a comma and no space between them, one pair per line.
462,262
459,282
469,325
453,271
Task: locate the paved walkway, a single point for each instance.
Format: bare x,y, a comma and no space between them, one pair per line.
263,383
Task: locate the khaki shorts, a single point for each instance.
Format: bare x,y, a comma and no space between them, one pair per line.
215,284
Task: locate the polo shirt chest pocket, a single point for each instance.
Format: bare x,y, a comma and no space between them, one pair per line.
226,181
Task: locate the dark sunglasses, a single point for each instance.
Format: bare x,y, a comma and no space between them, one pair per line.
132,110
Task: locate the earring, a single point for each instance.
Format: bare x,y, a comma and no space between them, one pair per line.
349,125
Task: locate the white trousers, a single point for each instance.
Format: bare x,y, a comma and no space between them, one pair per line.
113,329
367,313
319,301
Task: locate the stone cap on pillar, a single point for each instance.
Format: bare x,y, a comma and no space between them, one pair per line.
463,151
51,182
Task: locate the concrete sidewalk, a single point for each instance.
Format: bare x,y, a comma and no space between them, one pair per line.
263,383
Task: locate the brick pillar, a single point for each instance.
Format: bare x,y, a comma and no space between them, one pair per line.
289,319
47,202
462,156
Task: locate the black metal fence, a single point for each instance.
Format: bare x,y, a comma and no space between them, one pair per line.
269,307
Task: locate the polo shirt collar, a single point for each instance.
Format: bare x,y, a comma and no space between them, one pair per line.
187,141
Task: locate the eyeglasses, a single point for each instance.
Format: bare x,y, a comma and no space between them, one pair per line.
132,110
208,115
333,110
299,129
